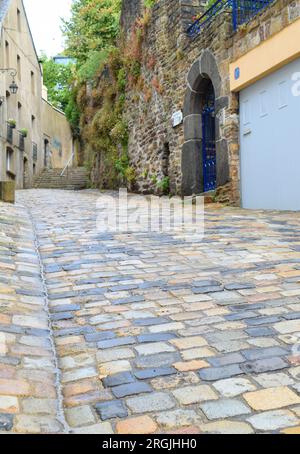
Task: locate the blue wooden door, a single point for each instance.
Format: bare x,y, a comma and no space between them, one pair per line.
209,148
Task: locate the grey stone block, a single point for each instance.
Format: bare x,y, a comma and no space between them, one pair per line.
129,300
131,389
160,337
218,373
123,378
204,290
157,361
263,321
260,353
260,332
239,286
110,410
241,316
191,166
193,127
264,365
151,321
117,342
152,373
225,408
233,358
6,422
149,403
100,336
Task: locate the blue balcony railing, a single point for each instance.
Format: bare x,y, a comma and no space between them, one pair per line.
241,11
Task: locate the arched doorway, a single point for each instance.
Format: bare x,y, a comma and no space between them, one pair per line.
46,153
205,152
25,173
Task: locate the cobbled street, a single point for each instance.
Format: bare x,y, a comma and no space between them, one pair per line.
147,333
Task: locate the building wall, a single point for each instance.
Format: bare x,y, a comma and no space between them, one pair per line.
17,51
27,107
57,132
176,78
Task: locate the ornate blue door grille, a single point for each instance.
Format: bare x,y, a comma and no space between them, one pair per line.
241,10
209,148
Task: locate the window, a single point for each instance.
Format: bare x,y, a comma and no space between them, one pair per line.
9,160
19,67
32,83
19,21
7,54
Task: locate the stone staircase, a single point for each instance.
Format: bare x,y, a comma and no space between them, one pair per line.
74,179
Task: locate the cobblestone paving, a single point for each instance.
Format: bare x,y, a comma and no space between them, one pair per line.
151,333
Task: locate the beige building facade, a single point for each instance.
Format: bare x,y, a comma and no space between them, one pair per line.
34,134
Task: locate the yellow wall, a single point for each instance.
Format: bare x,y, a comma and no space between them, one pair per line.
27,104
267,57
57,130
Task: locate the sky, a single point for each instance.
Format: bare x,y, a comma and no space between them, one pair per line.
44,18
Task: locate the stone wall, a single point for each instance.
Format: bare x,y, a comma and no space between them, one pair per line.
174,82
131,9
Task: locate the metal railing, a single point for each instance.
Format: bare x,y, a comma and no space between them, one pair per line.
245,10
241,11
66,168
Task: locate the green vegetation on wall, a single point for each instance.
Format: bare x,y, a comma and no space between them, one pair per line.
106,68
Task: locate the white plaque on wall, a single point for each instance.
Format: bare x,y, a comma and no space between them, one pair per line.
177,118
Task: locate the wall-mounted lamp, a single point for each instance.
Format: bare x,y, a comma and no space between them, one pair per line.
12,72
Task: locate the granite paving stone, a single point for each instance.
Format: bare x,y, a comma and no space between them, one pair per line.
224,408
217,373
273,420
151,403
272,398
111,410
122,378
152,332
131,389
264,365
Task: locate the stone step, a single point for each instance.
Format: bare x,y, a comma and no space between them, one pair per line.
75,178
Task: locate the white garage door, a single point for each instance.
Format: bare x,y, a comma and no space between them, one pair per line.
270,141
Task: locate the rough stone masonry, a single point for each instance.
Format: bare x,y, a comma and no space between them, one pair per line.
177,69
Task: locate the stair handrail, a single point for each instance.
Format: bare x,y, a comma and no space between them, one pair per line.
67,165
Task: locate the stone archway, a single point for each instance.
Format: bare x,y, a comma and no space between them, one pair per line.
203,75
